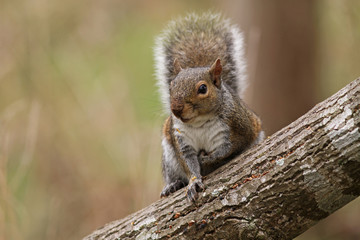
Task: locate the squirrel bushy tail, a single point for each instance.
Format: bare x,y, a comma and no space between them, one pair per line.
197,41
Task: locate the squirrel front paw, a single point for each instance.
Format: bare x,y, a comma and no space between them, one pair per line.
195,186
172,187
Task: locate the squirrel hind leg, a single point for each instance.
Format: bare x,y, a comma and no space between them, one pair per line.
259,138
172,187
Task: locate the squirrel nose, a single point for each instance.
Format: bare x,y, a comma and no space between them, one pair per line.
177,108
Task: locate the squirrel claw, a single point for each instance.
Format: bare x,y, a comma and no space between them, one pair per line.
193,188
172,187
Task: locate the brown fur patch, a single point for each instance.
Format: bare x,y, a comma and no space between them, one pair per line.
167,129
256,122
171,138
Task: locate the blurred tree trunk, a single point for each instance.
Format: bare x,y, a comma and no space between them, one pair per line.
281,46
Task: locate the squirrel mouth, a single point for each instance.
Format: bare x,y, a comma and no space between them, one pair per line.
185,120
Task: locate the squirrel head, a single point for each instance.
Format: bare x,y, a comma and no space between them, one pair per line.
195,92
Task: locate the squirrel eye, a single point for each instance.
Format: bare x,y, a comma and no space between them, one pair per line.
202,89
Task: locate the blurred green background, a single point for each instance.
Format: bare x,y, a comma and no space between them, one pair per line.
80,119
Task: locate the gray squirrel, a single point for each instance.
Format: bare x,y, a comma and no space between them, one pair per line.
200,71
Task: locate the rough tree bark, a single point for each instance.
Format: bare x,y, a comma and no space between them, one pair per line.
276,190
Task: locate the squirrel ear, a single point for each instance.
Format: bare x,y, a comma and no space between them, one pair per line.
177,67
215,71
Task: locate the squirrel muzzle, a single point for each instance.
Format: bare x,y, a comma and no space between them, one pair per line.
177,107
181,110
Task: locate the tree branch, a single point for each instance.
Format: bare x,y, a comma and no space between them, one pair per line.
275,190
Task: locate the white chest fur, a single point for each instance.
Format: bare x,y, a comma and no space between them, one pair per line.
207,136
